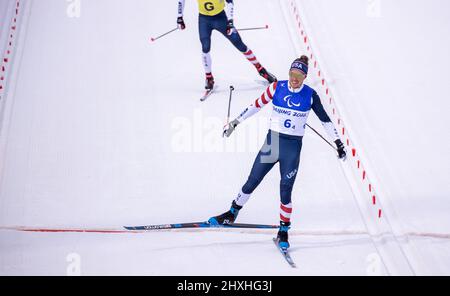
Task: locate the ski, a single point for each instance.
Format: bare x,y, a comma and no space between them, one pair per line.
285,253
207,93
199,225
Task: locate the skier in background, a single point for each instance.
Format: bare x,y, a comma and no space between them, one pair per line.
213,17
292,101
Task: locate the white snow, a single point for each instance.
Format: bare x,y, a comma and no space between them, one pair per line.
101,128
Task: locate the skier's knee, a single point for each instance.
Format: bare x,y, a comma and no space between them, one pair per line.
237,42
241,46
285,191
286,187
250,185
206,44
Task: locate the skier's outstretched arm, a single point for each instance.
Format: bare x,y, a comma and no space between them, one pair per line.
328,125
230,10
251,110
230,15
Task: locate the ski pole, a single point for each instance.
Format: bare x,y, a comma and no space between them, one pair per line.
321,136
256,28
156,38
229,104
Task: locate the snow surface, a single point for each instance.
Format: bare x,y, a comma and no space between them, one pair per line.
101,128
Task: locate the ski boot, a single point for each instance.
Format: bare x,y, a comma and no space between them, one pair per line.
265,74
209,83
282,236
227,217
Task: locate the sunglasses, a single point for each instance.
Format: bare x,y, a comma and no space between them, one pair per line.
297,75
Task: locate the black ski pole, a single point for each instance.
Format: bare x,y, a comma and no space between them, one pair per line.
256,28
229,104
321,136
156,38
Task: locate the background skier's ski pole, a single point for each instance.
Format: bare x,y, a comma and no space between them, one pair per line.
156,38
229,104
256,28
321,136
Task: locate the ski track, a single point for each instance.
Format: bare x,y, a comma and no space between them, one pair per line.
88,144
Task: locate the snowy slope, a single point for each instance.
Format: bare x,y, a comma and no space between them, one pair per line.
5,17
395,108
104,129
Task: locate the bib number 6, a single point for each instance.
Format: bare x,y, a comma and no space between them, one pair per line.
287,123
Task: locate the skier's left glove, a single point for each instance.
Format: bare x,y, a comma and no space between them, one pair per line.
230,27
229,128
180,23
342,153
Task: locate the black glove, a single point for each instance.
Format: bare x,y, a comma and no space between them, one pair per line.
181,24
230,27
342,153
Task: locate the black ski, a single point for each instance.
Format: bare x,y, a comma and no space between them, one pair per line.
200,225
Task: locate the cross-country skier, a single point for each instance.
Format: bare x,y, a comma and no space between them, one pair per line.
213,17
292,101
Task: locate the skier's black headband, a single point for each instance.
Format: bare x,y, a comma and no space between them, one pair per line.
300,66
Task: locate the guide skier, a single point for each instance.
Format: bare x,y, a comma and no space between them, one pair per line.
212,16
292,101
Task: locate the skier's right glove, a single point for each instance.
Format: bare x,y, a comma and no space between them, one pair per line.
229,128
181,24
342,154
230,27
